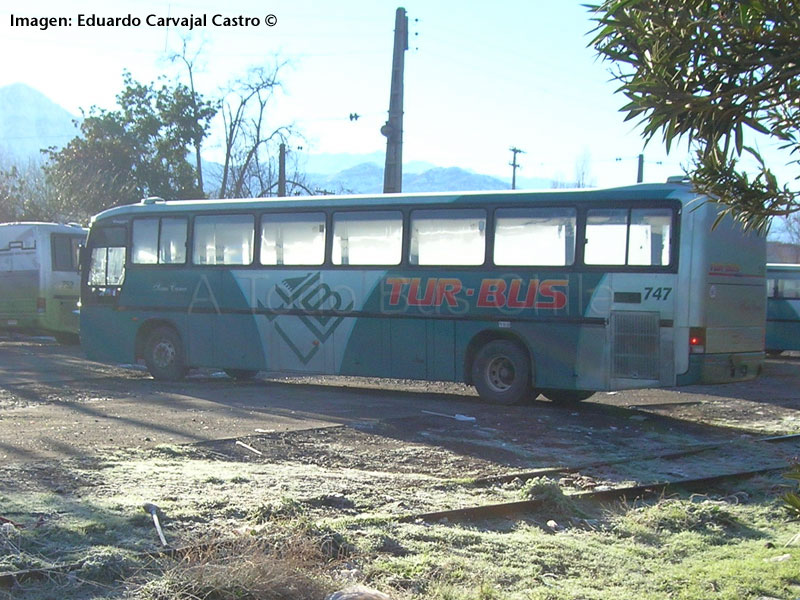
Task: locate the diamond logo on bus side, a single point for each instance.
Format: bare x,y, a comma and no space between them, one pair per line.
314,304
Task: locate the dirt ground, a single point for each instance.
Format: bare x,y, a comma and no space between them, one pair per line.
55,405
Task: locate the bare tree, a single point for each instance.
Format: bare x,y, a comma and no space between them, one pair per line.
249,168
190,60
792,226
583,170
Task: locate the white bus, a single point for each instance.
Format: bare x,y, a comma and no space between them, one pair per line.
40,278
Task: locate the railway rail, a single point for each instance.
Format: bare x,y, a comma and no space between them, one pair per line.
639,491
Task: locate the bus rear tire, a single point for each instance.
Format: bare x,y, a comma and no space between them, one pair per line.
241,374
501,372
163,355
566,396
67,339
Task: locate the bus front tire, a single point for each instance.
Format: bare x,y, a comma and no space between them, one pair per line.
241,374
566,396
501,372
163,355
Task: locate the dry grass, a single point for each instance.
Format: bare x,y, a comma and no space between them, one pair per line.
246,567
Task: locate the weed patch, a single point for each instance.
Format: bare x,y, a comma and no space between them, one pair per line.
245,568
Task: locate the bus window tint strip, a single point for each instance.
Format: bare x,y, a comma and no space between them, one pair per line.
367,238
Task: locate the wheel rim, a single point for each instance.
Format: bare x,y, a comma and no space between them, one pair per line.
163,354
500,374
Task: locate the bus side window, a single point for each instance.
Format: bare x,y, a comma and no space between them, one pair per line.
448,237
172,241
534,236
296,239
367,238
144,247
649,236
791,288
224,240
159,241
65,251
606,236
772,288
641,238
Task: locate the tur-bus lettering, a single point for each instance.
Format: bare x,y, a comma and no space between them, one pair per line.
492,293
497,293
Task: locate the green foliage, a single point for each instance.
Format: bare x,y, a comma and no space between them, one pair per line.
11,195
651,524
136,151
792,499
720,73
552,501
284,508
25,195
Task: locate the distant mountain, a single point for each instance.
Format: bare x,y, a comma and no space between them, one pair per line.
367,178
330,164
29,122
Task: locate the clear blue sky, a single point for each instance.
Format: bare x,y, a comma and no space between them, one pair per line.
480,77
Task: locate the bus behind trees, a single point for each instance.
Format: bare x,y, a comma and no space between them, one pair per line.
562,293
39,278
783,308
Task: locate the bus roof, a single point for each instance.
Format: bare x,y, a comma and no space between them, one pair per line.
56,227
640,192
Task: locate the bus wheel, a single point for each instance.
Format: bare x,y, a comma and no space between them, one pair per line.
566,396
501,372
67,339
163,355
241,374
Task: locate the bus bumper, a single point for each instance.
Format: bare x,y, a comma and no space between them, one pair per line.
722,368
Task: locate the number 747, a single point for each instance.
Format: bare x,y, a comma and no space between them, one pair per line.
659,293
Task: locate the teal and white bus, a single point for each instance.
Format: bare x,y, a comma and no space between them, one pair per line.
559,292
39,278
783,308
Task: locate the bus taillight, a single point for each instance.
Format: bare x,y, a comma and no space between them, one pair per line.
41,305
697,340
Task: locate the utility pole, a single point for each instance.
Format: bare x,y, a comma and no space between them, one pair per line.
515,166
282,170
393,129
640,170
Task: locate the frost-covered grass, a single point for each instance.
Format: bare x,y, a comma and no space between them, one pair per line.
328,527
